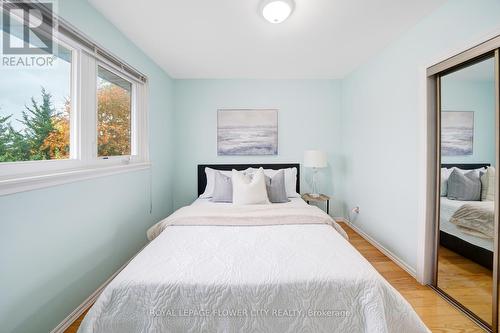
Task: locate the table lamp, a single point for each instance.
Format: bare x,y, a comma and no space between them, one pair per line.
315,159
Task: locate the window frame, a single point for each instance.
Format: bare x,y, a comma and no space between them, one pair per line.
133,116
83,162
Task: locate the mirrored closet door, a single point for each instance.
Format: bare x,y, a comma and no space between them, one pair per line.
466,217
466,225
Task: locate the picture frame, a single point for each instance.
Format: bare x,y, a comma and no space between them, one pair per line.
247,132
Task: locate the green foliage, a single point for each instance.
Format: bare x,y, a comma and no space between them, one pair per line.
4,137
38,122
28,144
19,149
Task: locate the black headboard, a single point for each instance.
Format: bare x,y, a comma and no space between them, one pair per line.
202,178
466,166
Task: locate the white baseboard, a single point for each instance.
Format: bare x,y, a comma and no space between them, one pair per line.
87,303
381,248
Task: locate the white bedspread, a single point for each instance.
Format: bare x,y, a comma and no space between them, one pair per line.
265,278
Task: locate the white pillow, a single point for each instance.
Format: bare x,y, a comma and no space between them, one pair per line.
488,185
290,180
209,189
249,190
445,174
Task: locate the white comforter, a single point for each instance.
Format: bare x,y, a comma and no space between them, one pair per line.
265,278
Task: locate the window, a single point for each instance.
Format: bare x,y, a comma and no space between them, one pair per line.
35,108
114,113
84,115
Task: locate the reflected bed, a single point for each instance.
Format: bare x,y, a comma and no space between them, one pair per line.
477,249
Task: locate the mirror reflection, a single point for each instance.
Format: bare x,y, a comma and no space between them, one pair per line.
466,223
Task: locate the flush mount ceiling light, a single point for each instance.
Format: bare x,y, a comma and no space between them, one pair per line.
276,11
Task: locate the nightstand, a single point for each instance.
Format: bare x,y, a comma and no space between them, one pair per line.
322,198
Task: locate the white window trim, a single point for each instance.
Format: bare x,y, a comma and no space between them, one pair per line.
35,181
84,163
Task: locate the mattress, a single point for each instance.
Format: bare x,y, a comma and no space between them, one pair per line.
448,208
242,278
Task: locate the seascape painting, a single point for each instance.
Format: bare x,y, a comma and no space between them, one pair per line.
247,132
457,133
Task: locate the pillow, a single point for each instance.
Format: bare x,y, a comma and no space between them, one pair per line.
445,173
488,185
275,187
464,186
209,189
249,190
290,179
223,188
291,182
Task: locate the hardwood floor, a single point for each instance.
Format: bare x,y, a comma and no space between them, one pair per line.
437,314
74,327
467,282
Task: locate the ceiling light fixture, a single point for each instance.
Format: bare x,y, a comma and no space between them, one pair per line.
277,11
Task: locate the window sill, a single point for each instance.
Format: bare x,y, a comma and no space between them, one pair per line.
31,182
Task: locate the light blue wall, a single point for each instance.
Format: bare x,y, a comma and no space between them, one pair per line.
57,245
309,118
477,96
380,117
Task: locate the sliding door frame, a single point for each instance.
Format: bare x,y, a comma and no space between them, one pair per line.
488,49
496,261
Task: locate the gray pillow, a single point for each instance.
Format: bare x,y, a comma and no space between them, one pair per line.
223,188
275,186
464,186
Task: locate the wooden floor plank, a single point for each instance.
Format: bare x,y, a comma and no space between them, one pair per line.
436,313
468,282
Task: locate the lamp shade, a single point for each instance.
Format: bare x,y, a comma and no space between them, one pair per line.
315,159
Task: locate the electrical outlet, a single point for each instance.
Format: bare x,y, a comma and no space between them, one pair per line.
355,210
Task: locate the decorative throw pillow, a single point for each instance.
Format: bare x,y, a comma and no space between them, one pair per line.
488,185
223,188
464,186
210,175
290,179
275,186
291,182
249,190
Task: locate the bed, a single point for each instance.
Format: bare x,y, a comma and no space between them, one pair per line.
215,267
477,249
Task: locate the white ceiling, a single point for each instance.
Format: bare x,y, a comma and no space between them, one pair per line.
230,39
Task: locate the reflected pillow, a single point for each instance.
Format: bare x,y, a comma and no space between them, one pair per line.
464,186
445,174
488,185
223,188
